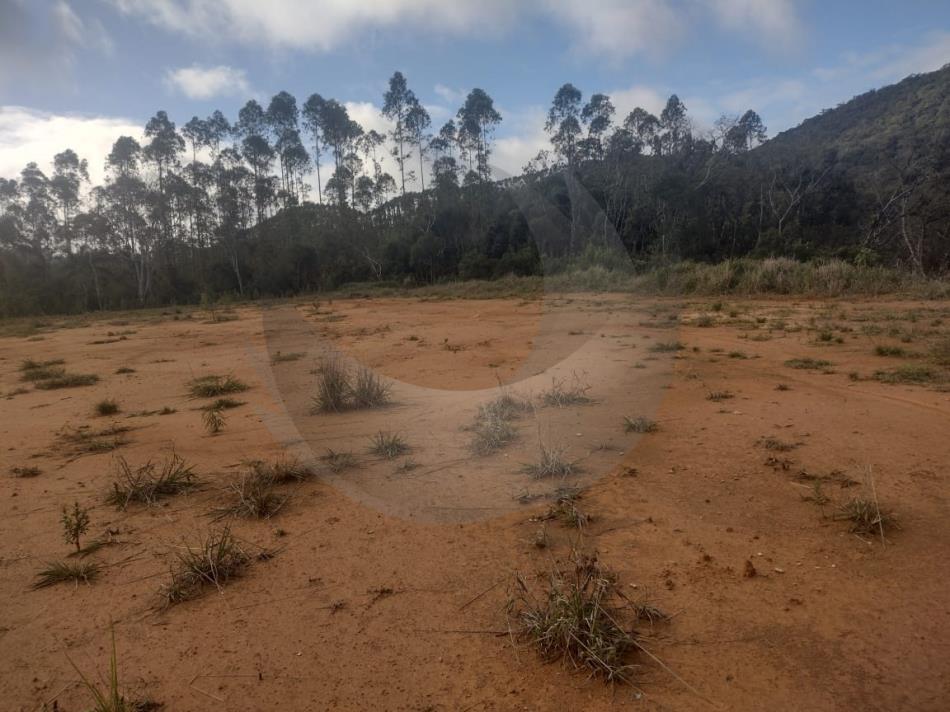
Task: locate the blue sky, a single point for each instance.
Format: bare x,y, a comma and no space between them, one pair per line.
81,72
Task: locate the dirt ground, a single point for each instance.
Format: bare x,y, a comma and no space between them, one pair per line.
387,585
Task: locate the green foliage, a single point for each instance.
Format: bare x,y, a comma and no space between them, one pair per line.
75,524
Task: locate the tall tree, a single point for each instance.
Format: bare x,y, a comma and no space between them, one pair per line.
313,114
398,101
69,173
477,121
417,123
564,123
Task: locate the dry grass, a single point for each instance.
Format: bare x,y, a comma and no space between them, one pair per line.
214,386
213,420
808,364
42,371
150,482
111,699
718,396
663,347
67,572
106,407
214,561
340,461
284,358
368,390
282,471
27,471
225,404
912,374
252,497
67,380
388,445
639,425
338,389
552,462
867,517
82,440
563,394
566,511
576,619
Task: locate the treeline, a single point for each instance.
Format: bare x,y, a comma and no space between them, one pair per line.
220,207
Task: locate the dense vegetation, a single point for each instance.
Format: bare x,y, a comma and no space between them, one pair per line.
219,208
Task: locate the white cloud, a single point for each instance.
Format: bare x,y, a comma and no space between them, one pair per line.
614,29
29,135
82,33
203,83
775,22
448,94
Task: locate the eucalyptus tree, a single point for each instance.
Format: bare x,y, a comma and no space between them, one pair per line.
477,121
251,128
564,122
597,115
127,196
675,125
313,116
417,123
69,173
282,118
398,101
163,149
644,127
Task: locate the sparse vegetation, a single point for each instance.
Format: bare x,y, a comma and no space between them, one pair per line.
577,619
150,482
368,390
867,517
75,524
639,425
106,407
214,386
552,462
340,461
662,347
914,374
252,496
214,561
67,380
338,389
27,471
388,445
213,419
563,394
284,358
83,440
889,351
67,572
111,699
717,396
808,363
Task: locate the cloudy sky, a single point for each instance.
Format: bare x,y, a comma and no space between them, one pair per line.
79,73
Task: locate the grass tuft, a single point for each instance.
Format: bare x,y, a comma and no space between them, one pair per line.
562,394
867,517
808,364
340,461
639,425
214,386
67,380
552,462
214,561
149,483
106,407
388,445
67,572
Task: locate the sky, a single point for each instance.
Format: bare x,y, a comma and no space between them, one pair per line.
80,73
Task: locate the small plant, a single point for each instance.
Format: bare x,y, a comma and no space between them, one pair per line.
212,562
214,420
82,440
576,619
282,470
492,430
339,461
42,371
552,462
407,465
667,347
717,396
28,471
68,380
388,445
65,572
808,364
149,483
253,497
124,370
107,407
867,517
561,395
111,699
333,386
75,524
639,425
566,511
214,386
889,351
368,389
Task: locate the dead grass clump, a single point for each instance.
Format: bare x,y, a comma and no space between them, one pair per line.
717,396
889,351
150,482
106,407
340,461
333,386
576,619
27,471
253,497
662,347
552,462
82,440
808,364
368,390
30,365
776,445
867,517
914,374
225,404
282,470
388,445
639,425
565,509
67,572
124,370
67,380
563,394
215,561
41,371
284,358
214,420
214,386
492,430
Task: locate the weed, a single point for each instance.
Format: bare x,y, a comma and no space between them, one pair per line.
576,619
106,407
65,572
704,321
339,461
214,386
282,471
225,404
776,445
492,429
214,561
808,363
42,372
26,471
388,445
75,524
149,483
639,425
85,441
561,395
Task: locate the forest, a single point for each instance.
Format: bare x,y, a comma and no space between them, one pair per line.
294,197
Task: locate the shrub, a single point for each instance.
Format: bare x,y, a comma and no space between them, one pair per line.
106,407
214,386
149,483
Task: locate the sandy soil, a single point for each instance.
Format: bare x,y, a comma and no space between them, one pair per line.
388,587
